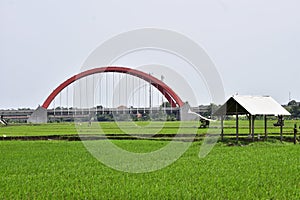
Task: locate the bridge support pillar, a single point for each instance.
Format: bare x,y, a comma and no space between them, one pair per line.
185,115
38,116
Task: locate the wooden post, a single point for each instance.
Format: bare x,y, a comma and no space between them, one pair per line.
266,128
249,123
295,133
252,126
281,137
237,121
222,127
281,127
237,127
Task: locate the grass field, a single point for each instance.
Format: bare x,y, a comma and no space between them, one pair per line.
144,127
66,170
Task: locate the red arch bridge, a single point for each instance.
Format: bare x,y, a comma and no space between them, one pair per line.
108,90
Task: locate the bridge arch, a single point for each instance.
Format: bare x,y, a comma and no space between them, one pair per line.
169,94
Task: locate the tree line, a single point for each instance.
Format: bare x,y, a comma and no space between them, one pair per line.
294,108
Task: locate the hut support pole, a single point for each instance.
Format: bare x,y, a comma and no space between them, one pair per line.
249,117
295,133
281,127
281,138
252,126
266,127
237,121
237,127
222,127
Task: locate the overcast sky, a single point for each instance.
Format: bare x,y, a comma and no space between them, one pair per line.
254,44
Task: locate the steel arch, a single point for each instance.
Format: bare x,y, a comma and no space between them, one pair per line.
170,95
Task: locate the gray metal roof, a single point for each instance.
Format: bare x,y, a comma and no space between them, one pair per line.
254,105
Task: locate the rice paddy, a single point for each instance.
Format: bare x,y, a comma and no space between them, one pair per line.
66,170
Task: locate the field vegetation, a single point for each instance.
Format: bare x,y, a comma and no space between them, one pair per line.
66,170
141,127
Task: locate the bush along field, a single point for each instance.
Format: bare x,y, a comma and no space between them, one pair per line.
62,169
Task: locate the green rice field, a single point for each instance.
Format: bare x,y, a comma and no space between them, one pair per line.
62,169
144,127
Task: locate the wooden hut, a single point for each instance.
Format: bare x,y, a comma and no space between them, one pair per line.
251,106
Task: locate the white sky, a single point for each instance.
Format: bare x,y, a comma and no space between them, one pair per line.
254,44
